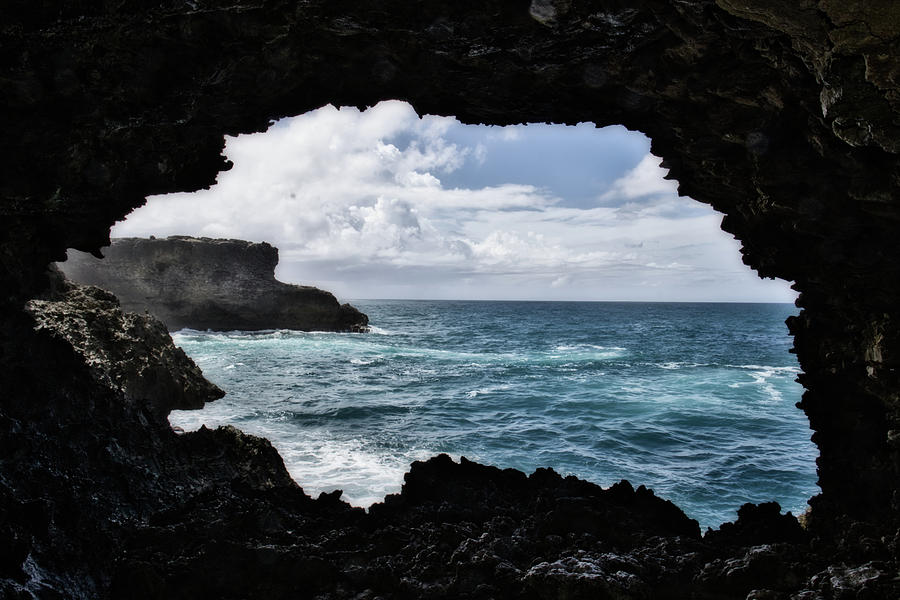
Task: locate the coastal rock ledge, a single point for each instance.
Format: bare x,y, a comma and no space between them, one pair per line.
205,283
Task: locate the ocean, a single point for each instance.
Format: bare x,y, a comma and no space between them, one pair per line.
695,401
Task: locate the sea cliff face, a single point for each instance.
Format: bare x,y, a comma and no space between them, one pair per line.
204,283
781,115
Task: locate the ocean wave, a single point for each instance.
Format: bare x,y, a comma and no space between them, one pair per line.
769,371
570,355
365,361
783,369
582,347
488,390
673,365
364,470
194,335
761,376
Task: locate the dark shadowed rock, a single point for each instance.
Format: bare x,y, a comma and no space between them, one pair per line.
128,352
204,283
759,524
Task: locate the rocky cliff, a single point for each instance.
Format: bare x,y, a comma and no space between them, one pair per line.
784,116
205,283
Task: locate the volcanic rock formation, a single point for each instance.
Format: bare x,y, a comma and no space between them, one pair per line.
204,283
784,116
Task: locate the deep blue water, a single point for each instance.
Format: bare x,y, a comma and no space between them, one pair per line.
693,400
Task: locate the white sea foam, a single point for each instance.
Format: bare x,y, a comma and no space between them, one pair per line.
673,365
582,347
767,368
364,474
319,462
192,420
762,376
487,390
583,352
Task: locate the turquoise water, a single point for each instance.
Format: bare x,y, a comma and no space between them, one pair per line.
693,400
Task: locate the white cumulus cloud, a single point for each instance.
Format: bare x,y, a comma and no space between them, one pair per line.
644,182
361,195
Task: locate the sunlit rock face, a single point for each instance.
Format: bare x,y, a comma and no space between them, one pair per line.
204,283
784,116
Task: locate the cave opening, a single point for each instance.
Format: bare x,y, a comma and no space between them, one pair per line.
386,204
782,117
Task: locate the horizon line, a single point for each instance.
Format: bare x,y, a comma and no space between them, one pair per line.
575,301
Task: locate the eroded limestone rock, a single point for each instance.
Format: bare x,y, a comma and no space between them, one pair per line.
204,283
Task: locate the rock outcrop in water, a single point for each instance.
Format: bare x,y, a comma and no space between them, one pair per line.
205,283
784,116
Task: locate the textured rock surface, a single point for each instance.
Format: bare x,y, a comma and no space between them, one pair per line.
130,353
205,283
782,115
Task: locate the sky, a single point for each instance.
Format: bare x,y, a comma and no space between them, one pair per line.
383,203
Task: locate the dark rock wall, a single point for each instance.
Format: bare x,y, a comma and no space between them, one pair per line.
205,283
782,115
88,462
